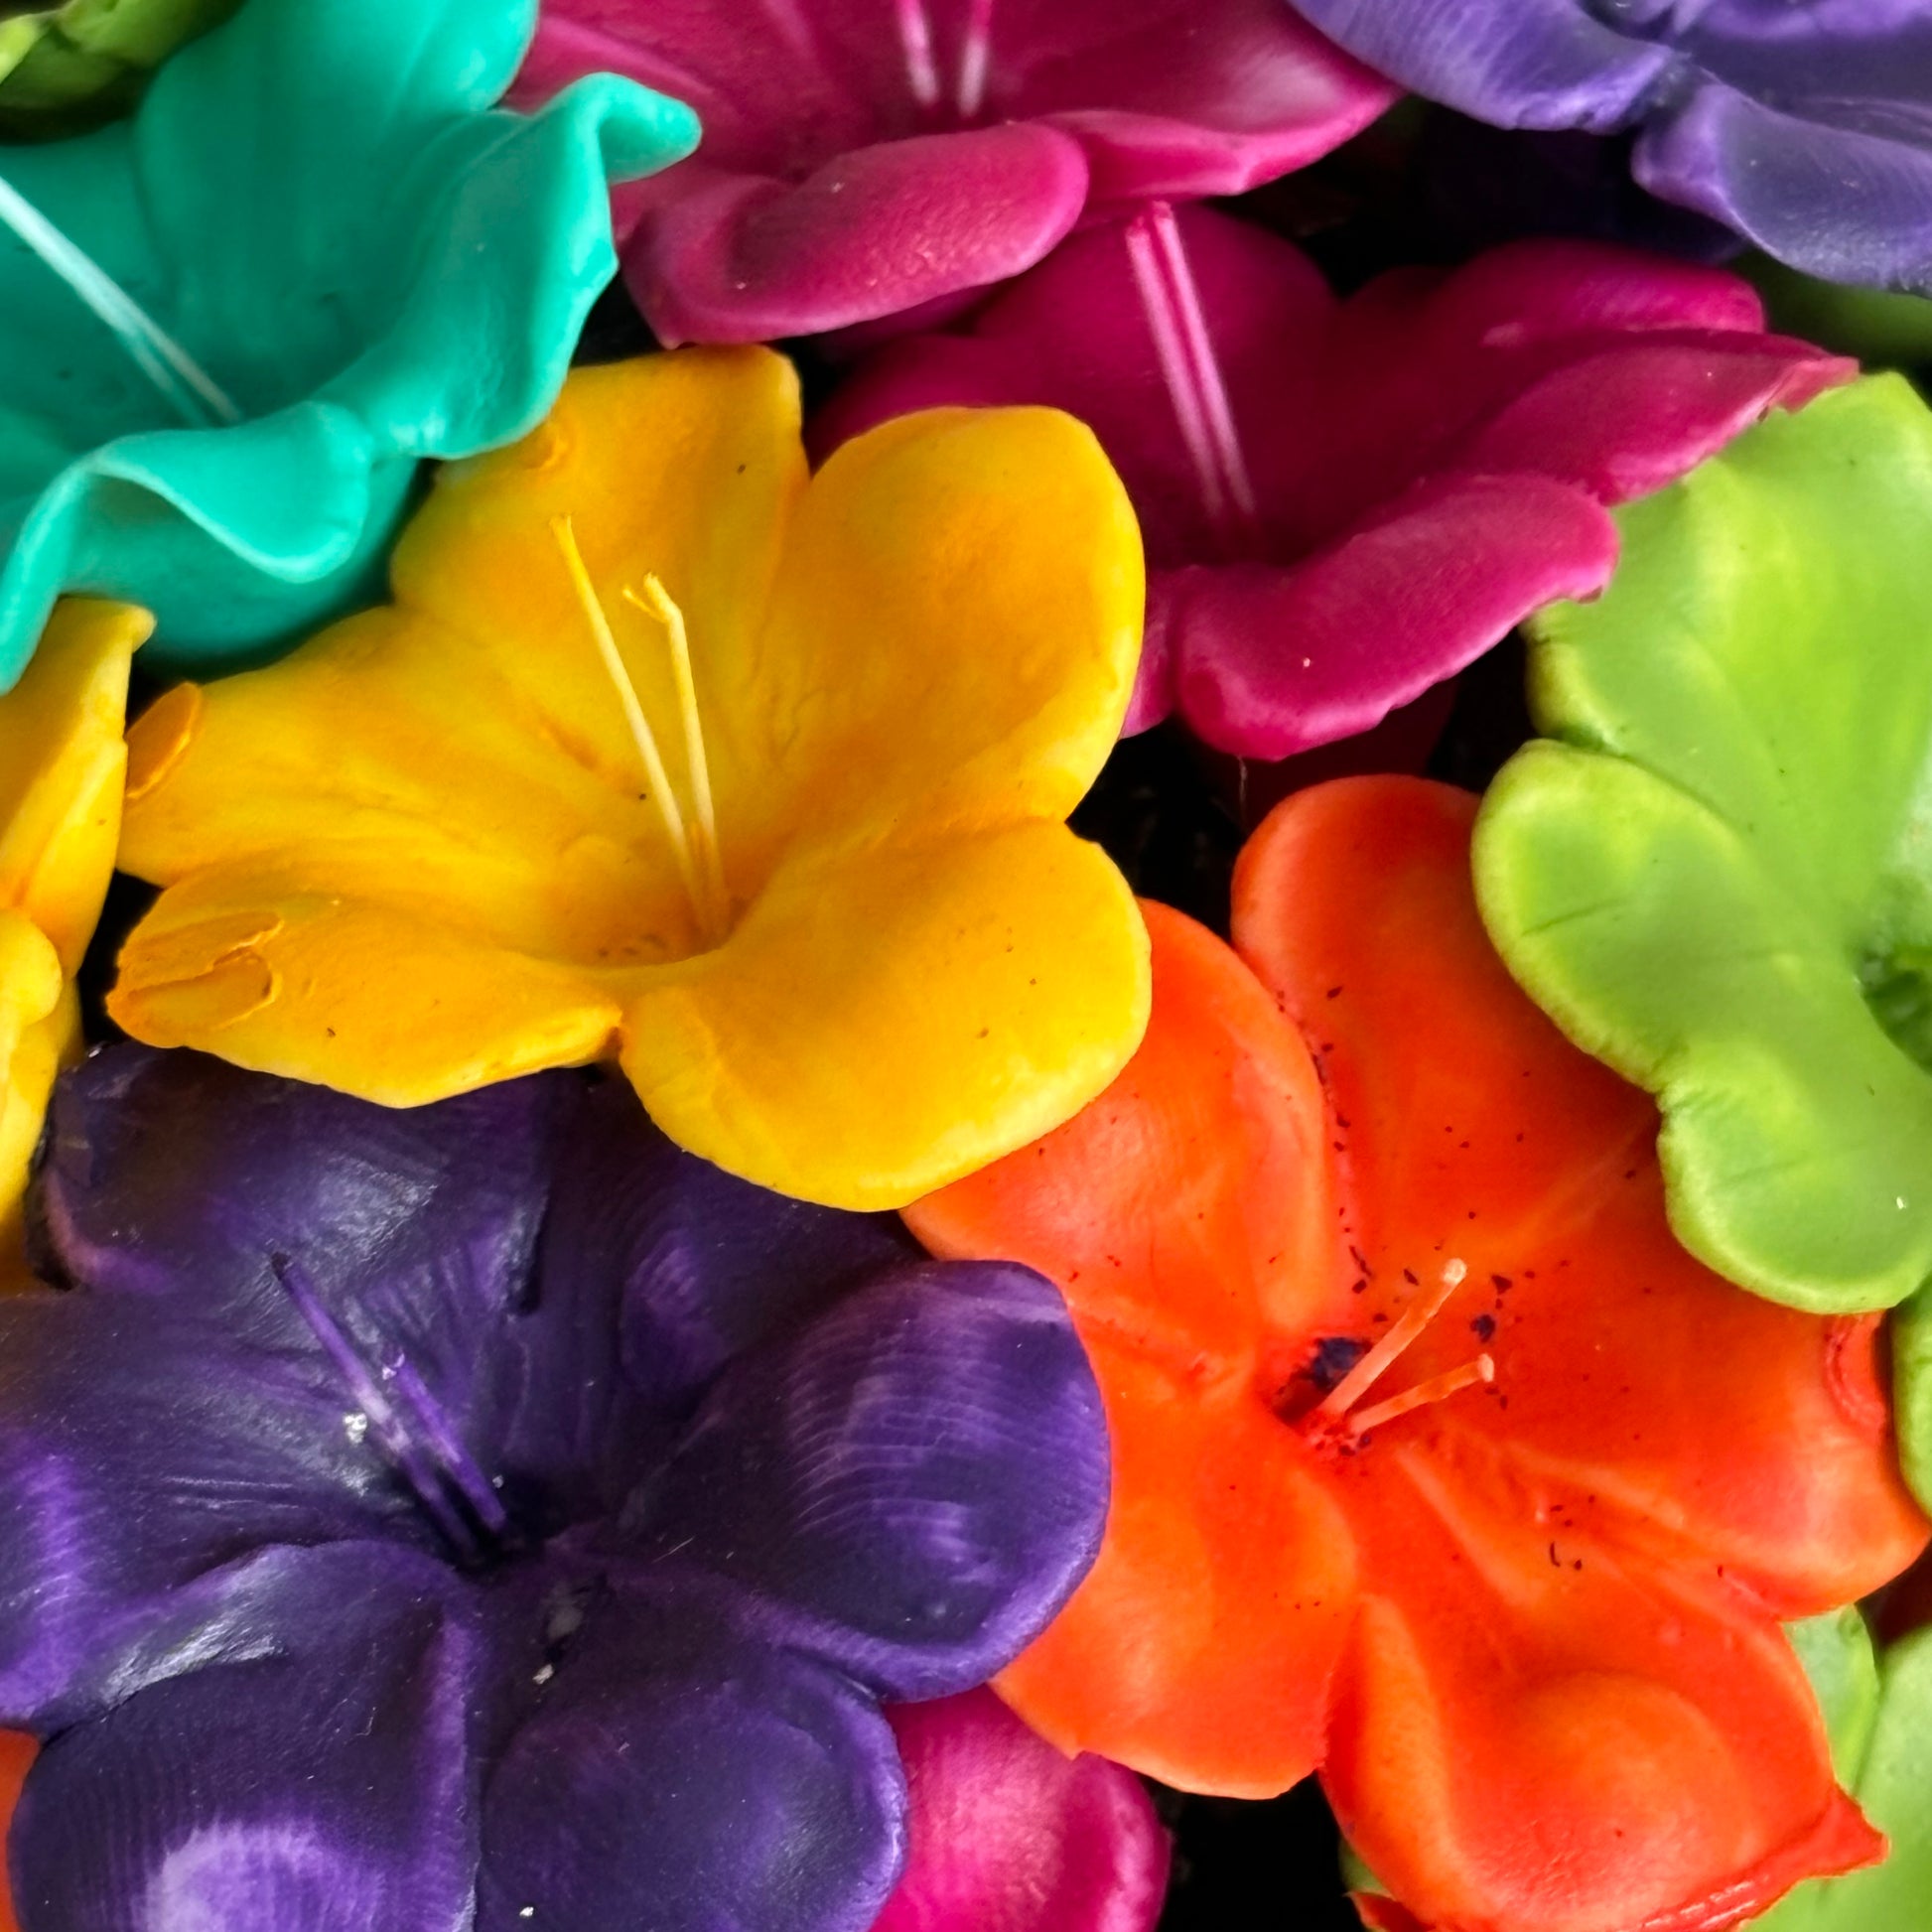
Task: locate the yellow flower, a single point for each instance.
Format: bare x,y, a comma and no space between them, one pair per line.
62,760
667,750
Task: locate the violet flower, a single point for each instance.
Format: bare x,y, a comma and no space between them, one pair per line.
1804,124
1347,503
863,158
487,1516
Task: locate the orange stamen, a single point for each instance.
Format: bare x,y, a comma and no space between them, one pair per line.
1439,1388
1386,1352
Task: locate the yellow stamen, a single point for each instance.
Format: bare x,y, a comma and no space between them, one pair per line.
633,713
1383,1356
1439,1388
656,602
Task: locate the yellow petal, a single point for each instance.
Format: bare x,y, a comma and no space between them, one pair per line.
62,757
249,963
40,1023
884,1020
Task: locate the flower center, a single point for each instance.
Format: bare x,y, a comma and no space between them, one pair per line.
182,382
921,46
394,1405
1337,1424
693,837
1190,369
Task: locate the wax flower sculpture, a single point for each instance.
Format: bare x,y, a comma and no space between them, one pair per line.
1346,501
669,752
1806,127
61,765
1713,872
397,1498
231,326
1439,1466
863,159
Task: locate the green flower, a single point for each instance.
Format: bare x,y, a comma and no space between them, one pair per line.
358,261
1879,1713
65,66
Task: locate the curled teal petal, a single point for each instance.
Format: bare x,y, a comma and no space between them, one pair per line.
322,205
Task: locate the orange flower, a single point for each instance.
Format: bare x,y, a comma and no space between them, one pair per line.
1440,1468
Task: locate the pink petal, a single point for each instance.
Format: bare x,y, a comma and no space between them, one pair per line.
1271,661
740,259
1007,1836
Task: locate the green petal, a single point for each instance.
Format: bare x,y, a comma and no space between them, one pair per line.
1893,1781
1719,877
63,66
321,204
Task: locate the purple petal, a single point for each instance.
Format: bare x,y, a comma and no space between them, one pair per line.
680,1775
910,1487
142,1448
315,1776
1845,203
1516,62
655,1268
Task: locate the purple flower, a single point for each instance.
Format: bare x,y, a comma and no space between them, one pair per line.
489,1516
1347,503
1804,124
863,158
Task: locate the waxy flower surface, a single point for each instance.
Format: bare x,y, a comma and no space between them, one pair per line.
61,765
487,1514
1439,1466
670,752
317,254
863,158
1346,501
1006,1834
1804,124
1714,873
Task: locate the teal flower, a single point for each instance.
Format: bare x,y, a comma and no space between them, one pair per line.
1716,871
316,255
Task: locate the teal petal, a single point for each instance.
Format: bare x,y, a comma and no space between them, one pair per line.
321,204
1716,871
1892,1777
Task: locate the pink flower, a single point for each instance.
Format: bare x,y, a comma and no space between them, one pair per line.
1007,1835
1348,501
863,158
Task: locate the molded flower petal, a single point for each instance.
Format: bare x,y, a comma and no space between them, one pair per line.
905,672
77,62
909,1488
407,280
1713,878
679,1764
62,763
1347,503
1805,128
863,158
1006,1835
350,1679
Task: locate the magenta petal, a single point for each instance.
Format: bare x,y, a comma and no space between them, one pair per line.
1009,1836
1270,662
744,259
1686,395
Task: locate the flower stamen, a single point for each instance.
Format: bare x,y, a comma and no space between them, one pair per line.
975,58
183,384
642,734
657,603
921,68
1337,1414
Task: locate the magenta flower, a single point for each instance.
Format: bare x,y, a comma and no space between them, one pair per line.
1347,503
1007,1835
863,158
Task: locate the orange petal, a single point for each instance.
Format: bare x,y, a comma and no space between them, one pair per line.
1190,1207
1705,1427
1202,1646
1530,1736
